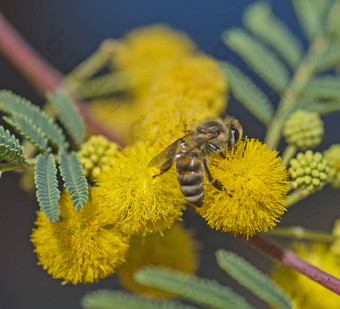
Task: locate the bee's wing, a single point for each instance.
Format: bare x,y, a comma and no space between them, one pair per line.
165,158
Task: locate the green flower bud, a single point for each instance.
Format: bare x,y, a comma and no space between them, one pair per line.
303,129
332,155
309,171
95,154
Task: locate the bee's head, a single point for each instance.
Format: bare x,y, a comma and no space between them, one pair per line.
214,136
210,127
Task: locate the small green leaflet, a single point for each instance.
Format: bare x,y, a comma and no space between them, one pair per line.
47,186
28,130
10,148
254,280
72,172
11,103
311,15
322,88
68,115
260,58
245,91
109,299
202,291
260,20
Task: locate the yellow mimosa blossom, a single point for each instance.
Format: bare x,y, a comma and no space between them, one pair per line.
83,246
96,155
255,189
145,52
304,292
175,249
140,203
118,114
168,118
198,78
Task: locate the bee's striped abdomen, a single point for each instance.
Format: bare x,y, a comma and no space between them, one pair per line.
191,179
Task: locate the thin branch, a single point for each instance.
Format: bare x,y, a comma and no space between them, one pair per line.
299,232
41,74
290,259
5,167
296,196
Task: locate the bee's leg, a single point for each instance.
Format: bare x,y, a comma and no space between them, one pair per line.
212,180
162,172
217,149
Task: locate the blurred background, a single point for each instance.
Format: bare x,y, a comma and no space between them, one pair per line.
67,32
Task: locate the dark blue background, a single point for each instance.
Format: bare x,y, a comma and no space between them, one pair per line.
80,26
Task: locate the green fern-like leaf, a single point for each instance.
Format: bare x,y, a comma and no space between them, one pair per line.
311,14
47,186
333,22
68,115
262,23
11,103
251,278
322,88
10,148
203,291
28,130
259,57
72,172
328,59
323,108
245,91
108,299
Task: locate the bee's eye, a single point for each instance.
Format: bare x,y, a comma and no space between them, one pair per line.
235,133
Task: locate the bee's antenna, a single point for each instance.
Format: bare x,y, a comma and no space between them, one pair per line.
186,131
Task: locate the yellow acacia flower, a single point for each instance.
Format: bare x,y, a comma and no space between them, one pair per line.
96,155
305,292
118,114
255,186
147,51
83,246
140,203
168,117
176,249
198,78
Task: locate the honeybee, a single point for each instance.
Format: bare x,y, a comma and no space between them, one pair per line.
193,152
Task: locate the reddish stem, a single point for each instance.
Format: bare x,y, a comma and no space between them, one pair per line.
290,259
41,74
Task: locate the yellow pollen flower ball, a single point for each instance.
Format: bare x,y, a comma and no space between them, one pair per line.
147,51
304,292
177,250
168,118
118,114
198,78
139,202
83,246
255,189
